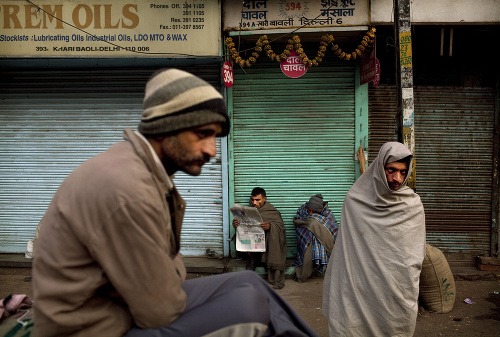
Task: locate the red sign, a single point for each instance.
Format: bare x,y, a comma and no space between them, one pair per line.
228,74
368,71
292,66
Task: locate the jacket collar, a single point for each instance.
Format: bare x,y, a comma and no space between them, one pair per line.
147,153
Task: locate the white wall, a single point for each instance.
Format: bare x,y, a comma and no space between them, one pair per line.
440,11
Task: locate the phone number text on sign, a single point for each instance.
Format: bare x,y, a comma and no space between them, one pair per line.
109,28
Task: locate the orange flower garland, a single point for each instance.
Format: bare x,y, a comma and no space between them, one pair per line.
262,43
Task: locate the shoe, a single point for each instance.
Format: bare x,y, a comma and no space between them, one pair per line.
278,286
250,265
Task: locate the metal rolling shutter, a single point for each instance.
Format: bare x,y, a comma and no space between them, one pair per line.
54,119
454,151
294,137
382,123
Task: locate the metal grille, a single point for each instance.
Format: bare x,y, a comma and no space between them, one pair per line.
54,119
454,153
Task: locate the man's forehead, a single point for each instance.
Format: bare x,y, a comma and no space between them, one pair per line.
216,127
397,164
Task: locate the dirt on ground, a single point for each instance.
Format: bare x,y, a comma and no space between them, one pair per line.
481,318
476,312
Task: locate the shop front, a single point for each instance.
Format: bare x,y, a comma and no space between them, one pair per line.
456,115
72,79
297,125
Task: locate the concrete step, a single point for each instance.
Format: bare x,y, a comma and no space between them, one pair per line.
204,265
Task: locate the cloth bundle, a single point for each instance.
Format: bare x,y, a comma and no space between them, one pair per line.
16,316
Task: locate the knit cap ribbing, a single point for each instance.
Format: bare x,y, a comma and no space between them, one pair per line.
316,203
175,100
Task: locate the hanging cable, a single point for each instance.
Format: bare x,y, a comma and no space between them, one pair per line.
105,41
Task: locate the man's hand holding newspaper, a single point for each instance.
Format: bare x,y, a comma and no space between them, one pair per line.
250,237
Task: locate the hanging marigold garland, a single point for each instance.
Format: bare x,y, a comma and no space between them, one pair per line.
263,44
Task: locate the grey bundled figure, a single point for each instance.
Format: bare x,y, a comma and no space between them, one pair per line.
316,230
372,281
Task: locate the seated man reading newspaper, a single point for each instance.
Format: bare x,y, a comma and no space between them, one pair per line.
271,252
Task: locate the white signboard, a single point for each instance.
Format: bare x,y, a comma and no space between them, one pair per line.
109,28
280,14
439,12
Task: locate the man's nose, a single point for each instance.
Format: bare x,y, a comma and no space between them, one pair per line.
399,177
210,147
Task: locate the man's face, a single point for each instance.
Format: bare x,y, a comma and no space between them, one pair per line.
257,201
396,173
189,150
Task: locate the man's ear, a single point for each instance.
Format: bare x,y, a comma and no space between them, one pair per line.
158,138
155,142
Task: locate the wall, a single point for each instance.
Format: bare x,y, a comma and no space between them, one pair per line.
435,12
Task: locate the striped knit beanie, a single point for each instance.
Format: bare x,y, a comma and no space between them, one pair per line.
175,100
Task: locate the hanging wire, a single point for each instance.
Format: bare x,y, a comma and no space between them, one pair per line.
239,34
102,40
96,37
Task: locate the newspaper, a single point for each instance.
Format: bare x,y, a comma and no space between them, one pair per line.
250,237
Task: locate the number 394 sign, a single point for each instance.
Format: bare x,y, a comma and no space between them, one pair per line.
228,74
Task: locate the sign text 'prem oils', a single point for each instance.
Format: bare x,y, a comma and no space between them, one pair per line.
82,16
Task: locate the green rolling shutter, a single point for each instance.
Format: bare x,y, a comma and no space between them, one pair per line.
293,137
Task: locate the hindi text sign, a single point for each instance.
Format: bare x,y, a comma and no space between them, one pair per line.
292,66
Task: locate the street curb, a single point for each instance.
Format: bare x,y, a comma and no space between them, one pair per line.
212,265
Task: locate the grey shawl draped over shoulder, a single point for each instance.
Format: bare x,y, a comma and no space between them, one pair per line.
372,281
275,255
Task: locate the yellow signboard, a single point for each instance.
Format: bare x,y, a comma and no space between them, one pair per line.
109,28
405,52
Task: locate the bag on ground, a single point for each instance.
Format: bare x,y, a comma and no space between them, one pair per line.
437,285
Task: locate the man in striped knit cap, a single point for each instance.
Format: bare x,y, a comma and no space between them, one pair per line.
107,261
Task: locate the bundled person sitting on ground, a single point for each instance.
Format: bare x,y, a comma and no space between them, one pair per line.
316,230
